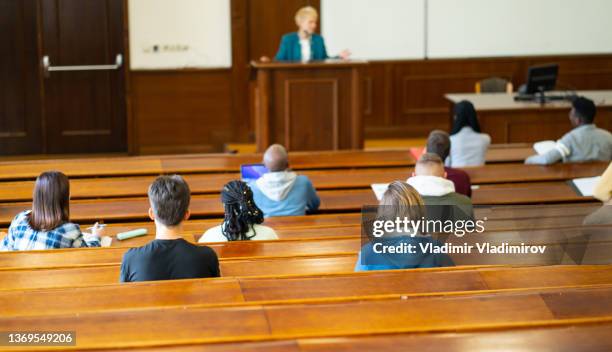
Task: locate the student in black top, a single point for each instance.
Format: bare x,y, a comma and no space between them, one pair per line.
169,256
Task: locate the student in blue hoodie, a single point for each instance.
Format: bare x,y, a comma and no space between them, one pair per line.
281,192
400,201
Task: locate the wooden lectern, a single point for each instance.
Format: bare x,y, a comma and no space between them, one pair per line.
309,106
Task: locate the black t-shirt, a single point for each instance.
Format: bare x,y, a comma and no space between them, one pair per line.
168,260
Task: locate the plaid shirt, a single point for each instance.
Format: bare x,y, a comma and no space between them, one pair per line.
22,237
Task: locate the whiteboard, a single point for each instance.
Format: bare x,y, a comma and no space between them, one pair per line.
187,33
374,29
490,28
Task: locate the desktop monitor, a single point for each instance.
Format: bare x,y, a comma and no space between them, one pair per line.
542,78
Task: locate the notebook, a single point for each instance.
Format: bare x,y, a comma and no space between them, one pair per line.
585,186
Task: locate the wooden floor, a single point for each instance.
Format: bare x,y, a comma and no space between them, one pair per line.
299,293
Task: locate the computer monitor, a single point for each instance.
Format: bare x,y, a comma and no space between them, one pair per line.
542,78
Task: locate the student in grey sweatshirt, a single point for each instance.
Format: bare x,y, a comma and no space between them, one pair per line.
585,142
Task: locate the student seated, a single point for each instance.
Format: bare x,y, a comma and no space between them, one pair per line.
281,192
47,225
400,200
603,192
439,143
169,256
242,217
585,142
469,146
429,179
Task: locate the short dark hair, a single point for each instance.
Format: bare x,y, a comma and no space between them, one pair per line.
439,143
169,197
430,158
584,109
50,201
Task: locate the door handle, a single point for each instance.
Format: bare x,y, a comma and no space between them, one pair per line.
47,68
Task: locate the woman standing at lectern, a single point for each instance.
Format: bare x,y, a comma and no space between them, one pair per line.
305,45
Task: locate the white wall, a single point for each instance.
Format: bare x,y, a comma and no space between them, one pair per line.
188,33
475,28
374,29
197,33
394,29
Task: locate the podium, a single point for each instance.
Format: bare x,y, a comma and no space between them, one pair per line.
309,106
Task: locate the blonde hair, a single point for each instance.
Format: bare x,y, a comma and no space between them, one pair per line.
306,12
401,200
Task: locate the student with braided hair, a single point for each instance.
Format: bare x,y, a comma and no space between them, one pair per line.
242,217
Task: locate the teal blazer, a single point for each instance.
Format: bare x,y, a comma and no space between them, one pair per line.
290,49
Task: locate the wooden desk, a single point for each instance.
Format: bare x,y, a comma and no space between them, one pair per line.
508,121
211,183
131,209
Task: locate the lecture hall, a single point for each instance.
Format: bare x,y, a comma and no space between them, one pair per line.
305,175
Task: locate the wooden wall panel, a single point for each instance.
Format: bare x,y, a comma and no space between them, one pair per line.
417,88
182,111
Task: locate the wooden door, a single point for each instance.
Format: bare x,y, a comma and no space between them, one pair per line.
20,105
84,95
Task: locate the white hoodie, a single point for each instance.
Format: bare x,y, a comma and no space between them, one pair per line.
433,186
276,185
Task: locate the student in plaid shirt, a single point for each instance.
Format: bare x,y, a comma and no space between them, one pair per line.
47,225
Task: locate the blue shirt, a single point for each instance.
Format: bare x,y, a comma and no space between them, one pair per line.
370,260
290,49
301,198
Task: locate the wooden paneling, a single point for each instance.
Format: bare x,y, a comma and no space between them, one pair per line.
180,111
302,130
309,106
20,99
417,87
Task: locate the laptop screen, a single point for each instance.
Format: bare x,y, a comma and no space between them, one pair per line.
251,172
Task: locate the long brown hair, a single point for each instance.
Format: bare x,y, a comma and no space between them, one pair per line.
50,201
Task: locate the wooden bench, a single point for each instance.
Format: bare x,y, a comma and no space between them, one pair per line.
562,338
327,244
499,218
314,263
93,166
475,312
130,209
236,291
323,180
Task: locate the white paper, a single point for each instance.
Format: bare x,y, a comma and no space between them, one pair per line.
544,147
586,185
379,189
106,241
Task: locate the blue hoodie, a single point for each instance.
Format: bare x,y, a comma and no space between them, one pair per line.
284,194
369,260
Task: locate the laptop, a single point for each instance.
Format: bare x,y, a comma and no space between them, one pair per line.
251,172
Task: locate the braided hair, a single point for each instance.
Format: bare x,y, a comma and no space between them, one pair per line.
241,212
